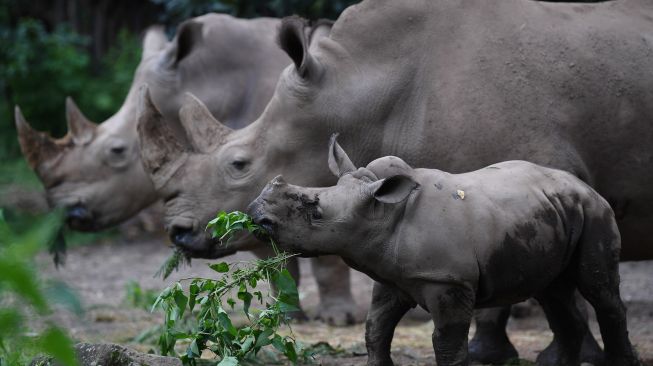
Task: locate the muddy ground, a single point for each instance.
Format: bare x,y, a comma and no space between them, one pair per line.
100,274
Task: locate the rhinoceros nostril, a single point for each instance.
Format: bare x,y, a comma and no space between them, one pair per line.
267,224
181,236
77,212
80,218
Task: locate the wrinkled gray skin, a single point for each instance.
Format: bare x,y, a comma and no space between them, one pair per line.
456,85
448,243
96,173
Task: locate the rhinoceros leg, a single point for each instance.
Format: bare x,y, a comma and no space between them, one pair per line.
387,308
337,305
293,268
566,322
452,308
490,344
590,351
599,284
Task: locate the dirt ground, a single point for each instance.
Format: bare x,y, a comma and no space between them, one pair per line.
101,272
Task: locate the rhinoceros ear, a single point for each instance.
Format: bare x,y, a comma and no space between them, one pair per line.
80,128
154,41
189,36
202,129
294,38
319,29
38,147
394,189
162,152
339,162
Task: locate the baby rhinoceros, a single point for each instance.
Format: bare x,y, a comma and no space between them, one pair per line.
455,242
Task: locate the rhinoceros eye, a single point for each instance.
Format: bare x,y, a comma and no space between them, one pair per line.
117,150
239,164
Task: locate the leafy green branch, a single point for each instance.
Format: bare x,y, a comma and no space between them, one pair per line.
208,300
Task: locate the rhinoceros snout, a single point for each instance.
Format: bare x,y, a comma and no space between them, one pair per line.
80,218
182,237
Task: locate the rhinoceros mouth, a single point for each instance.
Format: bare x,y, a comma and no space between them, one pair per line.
210,252
269,228
81,219
197,245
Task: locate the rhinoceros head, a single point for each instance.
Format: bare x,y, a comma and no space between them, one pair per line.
84,171
94,172
327,220
191,178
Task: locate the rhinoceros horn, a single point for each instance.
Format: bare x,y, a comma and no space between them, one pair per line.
161,151
202,129
339,162
37,147
80,128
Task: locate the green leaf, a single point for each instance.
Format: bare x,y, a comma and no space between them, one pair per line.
290,351
264,339
10,321
193,291
247,343
225,322
193,351
22,279
288,295
57,344
229,361
277,342
222,267
61,293
181,300
246,298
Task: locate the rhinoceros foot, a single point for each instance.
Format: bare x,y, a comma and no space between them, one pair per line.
590,353
494,349
340,313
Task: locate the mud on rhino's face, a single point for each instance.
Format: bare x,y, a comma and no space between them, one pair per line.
318,221
312,221
321,221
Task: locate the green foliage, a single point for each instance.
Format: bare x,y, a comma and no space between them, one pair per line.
208,301
172,264
20,290
225,225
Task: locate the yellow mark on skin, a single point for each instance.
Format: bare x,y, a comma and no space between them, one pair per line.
461,194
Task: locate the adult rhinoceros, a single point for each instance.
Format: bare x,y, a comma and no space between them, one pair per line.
95,171
455,85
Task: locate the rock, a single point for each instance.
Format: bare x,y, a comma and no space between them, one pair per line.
111,355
